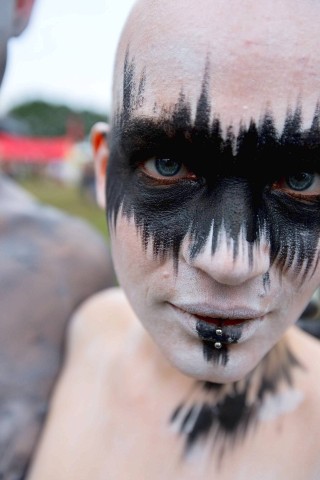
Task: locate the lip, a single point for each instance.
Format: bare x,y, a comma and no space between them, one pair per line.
248,319
211,311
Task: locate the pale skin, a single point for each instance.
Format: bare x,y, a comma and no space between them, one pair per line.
50,263
132,362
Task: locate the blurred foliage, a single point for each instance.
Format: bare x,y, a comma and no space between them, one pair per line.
67,198
49,120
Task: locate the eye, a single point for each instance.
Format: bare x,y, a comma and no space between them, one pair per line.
167,169
300,183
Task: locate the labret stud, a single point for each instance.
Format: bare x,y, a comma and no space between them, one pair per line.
219,333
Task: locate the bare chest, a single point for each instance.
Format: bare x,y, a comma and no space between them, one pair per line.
118,422
133,436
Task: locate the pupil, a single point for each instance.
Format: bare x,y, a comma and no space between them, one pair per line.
300,181
167,167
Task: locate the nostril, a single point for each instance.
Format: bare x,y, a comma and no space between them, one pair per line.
224,268
232,262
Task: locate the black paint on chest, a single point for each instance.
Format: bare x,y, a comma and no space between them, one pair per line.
235,177
223,414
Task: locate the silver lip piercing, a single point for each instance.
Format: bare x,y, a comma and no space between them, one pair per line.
218,345
219,332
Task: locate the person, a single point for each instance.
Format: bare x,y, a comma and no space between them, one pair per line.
50,263
195,369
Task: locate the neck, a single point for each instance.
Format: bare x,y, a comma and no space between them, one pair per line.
223,413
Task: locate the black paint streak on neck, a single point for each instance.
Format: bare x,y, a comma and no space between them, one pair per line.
226,422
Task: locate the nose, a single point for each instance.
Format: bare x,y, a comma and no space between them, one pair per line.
233,262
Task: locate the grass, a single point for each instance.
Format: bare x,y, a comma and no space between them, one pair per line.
68,199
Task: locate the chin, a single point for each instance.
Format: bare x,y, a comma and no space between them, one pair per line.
211,371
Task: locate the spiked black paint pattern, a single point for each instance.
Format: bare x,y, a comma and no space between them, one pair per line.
224,414
236,178
214,355
207,334
229,334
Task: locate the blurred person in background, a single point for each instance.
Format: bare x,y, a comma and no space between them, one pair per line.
196,369
50,262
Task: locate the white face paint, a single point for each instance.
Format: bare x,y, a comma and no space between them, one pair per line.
169,305
221,290
262,55
279,404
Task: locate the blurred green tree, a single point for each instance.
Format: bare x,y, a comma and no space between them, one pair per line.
45,119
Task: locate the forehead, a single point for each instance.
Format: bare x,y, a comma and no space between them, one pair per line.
258,55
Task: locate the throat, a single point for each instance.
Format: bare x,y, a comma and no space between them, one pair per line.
223,414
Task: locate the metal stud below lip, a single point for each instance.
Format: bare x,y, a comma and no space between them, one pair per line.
219,332
218,345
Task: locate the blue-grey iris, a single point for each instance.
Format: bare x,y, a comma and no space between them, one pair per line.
300,181
167,167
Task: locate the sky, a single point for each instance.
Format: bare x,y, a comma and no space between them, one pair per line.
66,54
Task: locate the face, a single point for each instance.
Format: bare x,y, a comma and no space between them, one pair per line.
213,179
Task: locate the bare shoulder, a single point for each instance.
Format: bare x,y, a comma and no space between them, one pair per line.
307,344
103,319
307,351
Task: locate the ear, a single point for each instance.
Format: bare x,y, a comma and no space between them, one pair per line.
22,13
99,143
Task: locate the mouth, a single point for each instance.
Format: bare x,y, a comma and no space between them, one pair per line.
221,316
223,322
220,324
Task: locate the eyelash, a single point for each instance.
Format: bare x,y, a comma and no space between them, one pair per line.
152,166
311,190
151,170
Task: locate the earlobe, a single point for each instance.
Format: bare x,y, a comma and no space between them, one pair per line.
100,148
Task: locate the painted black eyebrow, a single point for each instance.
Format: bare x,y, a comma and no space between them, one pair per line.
143,137
237,194
253,153
257,145
142,131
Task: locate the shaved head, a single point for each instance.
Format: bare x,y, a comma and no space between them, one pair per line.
239,81
259,54
214,171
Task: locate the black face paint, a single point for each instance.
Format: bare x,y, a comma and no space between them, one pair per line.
218,356
216,340
234,179
224,414
223,334
266,281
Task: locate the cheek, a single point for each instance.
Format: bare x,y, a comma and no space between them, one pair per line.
297,291
310,285
133,261
126,248
144,278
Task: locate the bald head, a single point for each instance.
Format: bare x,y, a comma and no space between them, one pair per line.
258,55
219,88
214,164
